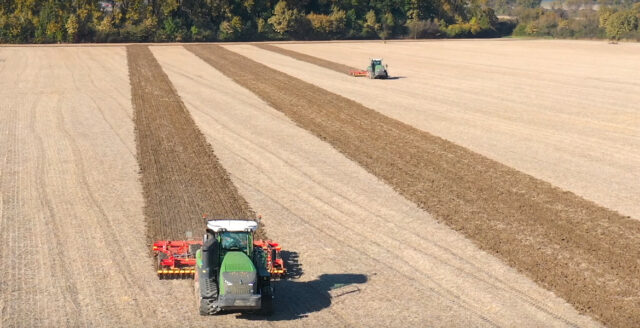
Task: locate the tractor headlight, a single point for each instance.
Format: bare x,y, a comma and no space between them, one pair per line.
227,282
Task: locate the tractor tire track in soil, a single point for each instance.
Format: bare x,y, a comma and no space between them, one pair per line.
340,68
180,174
587,254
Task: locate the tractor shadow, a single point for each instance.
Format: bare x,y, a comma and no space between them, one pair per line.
395,77
297,299
292,263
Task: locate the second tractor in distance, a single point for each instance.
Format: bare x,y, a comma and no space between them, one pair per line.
375,70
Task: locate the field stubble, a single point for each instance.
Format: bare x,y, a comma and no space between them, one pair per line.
181,177
585,253
345,222
541,107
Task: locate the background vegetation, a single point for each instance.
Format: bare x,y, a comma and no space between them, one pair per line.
49,21
613,19
45,21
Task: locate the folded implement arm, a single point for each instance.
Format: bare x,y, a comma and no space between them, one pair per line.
358,73
176,259
275,264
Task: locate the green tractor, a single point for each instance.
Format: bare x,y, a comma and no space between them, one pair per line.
376,70
232,273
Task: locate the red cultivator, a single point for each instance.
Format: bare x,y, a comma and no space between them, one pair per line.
358,73
275,264
176,259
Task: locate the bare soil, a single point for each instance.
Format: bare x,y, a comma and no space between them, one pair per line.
71,203
71,209
181,177
368,256
340,68
585,253
542,107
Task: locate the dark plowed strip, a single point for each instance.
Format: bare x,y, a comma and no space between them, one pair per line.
181,176
340,68
585,253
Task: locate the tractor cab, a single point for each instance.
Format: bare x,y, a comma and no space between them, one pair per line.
232,235
234,241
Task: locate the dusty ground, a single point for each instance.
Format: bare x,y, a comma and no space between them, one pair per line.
182,180
71,201
334,66
562,241
563,111
71,206
347,226
71,221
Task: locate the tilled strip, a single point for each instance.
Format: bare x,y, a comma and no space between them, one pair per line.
587,254
340,68
181,176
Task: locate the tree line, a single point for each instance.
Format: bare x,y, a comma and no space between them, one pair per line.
49,21
584,19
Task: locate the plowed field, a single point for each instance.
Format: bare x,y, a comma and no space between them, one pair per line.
343,220
71,208
181,177
562,111
436,199
562,241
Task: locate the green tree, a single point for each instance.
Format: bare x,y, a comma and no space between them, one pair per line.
72,28
231,30
286,21
320,23
338,20
371,26
420,10
388,23
621,23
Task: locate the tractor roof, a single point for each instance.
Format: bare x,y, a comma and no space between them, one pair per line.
232,225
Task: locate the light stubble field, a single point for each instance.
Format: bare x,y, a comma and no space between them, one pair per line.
343,220
70,190
563,111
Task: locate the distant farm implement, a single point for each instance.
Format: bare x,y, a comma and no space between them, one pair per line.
231,270
375,70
